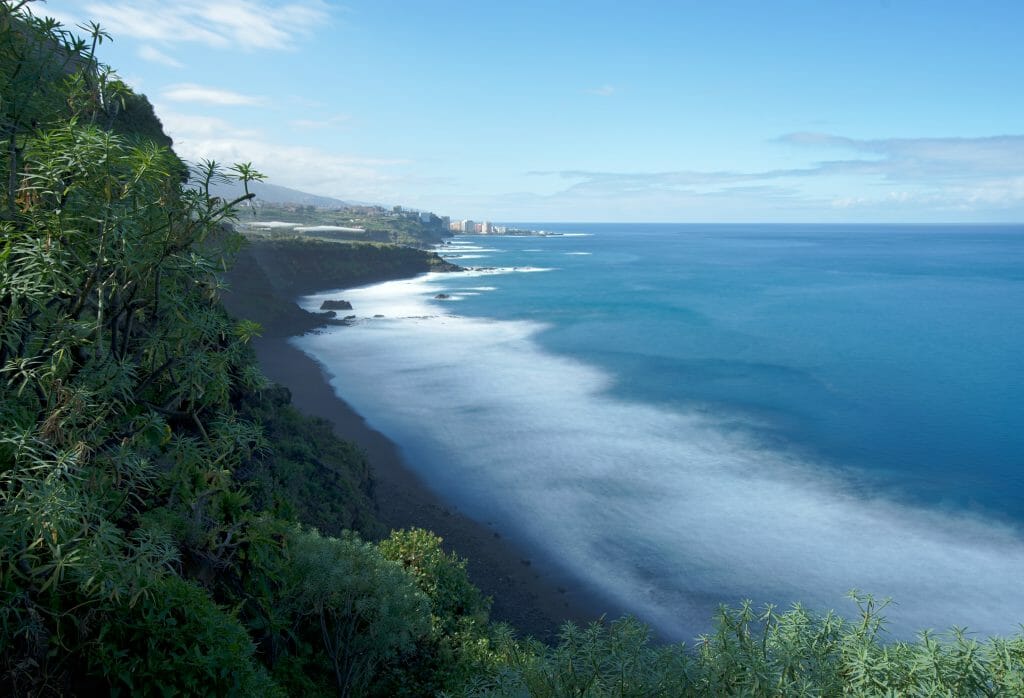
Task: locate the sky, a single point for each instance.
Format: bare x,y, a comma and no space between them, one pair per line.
587,110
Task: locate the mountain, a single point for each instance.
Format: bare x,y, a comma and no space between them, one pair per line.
275,194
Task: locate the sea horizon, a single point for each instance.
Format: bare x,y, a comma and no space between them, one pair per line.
781,412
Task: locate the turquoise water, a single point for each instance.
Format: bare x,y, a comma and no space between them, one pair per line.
895,349
678,415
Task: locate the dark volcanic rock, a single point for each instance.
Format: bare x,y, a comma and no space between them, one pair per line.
335,305
269,273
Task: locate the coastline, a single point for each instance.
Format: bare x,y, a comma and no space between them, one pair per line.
529,594
526,594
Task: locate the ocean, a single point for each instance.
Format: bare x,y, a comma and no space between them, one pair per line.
678,416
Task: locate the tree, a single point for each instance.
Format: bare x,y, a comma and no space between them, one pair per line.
117,365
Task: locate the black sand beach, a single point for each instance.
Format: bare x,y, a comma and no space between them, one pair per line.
533,599
525,595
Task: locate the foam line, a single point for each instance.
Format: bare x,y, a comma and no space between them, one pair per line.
667,512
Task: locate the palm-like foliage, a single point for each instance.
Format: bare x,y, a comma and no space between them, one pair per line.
117,364
755,653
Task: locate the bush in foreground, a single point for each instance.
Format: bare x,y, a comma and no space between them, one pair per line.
765,653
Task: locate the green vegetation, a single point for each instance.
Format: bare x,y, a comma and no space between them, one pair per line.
308,475
367,224
296,265
756,654
158,499
269,273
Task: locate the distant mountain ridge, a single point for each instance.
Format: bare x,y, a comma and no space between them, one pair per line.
276,194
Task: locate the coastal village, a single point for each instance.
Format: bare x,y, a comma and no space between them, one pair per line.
368,223
470,227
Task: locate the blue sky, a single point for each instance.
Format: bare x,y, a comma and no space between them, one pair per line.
689,111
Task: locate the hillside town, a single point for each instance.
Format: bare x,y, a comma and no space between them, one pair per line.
395,224
471,227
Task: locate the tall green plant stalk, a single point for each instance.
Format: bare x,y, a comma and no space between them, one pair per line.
117,367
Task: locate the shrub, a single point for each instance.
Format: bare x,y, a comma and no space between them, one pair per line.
361,610
177,641
448,655
752,653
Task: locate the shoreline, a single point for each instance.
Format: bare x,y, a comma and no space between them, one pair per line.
528,595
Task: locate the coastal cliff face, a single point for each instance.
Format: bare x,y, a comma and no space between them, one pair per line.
269,274
304,265
313,475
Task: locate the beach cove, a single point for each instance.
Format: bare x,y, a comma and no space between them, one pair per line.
526,593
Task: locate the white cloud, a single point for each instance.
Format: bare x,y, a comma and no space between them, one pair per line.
309,169
189,92
190,126
148,53
602,91
892,177
1006,192
226,24
923,158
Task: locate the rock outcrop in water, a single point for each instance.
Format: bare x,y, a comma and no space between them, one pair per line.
335,305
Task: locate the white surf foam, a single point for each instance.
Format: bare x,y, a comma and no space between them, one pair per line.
486,271
668,513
